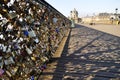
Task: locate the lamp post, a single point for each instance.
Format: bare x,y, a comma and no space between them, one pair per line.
116,11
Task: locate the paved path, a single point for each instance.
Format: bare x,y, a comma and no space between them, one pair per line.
111,29
88,55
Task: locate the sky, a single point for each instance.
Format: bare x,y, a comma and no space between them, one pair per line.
85,7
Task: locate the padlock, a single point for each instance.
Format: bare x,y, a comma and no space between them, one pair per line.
4,77
9,60
32,33
12,15
1,62
8,73
13,70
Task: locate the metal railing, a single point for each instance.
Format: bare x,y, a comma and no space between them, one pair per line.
30,32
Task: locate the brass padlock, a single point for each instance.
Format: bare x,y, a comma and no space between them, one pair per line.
12,15
8,73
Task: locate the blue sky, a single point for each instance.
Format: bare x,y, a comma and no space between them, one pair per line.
85,7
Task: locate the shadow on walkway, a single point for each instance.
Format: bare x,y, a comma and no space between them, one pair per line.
88,55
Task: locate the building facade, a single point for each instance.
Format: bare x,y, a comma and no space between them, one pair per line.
74,15
102,18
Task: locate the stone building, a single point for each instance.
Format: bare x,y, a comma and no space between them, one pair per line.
74,15
102,18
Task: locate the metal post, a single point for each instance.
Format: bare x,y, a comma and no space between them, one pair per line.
116,10
116,16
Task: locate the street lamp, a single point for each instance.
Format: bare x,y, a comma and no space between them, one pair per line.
116,10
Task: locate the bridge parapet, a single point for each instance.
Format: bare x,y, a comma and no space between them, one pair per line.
30,32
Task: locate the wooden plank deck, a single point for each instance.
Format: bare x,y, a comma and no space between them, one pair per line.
88,54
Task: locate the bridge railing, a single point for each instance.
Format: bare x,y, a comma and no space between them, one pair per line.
30,32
